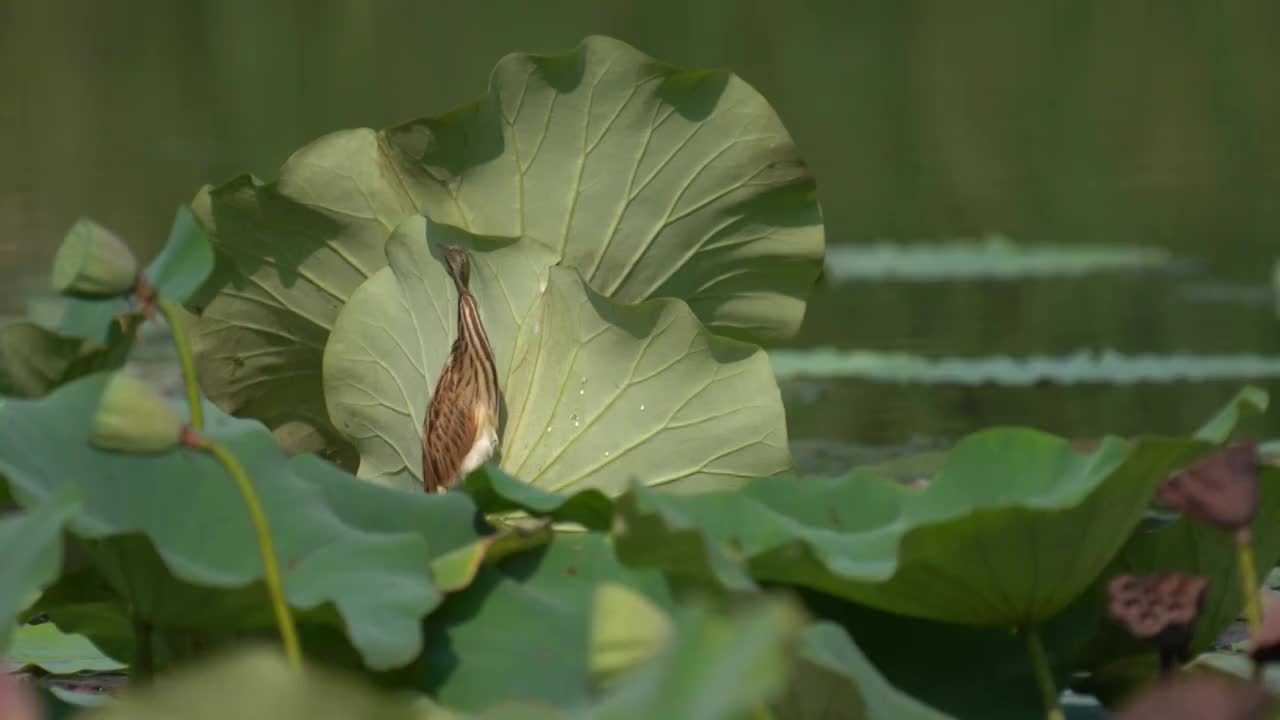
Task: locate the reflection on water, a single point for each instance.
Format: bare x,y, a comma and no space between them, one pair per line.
1149,125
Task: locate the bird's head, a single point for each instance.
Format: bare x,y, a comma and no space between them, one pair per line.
458,264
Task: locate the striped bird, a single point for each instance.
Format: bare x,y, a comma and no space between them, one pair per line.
460,432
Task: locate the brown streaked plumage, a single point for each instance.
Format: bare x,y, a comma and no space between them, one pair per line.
461,429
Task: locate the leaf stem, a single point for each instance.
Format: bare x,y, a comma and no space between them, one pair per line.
275,587
1044,676
178,327
1248,580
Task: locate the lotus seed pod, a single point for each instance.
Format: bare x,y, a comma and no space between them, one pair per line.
93,261
1150,605
1159,607
133,417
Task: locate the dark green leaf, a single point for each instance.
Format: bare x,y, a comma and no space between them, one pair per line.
181,507
995,539
34,360
31,545
494,491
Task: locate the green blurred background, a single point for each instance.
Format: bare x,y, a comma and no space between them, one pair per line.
1150,123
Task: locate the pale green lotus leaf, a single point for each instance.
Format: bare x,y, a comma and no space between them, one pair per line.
652,180
595,393
48,648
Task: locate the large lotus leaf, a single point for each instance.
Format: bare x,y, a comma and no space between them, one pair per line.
31,544
184,263
1014,526
595,393
183,505
653,181
288,256
392,338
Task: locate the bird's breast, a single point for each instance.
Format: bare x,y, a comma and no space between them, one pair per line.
485,445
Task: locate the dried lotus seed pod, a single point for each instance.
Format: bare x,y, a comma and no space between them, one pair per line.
1160,607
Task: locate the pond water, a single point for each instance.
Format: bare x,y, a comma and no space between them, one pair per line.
1093,123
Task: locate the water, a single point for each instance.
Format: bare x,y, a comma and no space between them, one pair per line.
1150,125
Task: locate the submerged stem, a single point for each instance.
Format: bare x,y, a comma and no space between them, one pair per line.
1044,675
275,587
178,327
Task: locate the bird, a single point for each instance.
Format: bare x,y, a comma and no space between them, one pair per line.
460,432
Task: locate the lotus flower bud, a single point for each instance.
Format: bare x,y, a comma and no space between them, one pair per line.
93,261
626,629
133,417
1147,605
